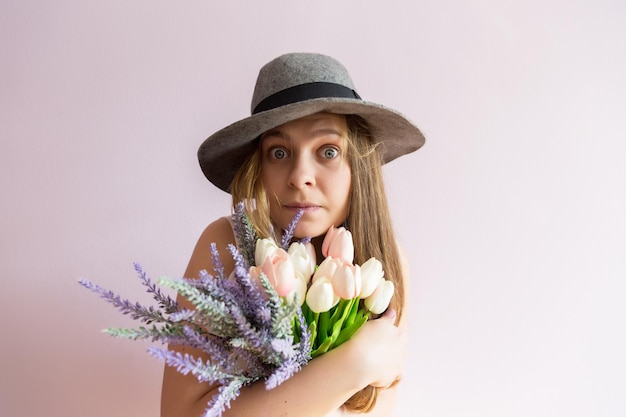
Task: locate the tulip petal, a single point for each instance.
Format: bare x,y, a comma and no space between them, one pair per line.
321,297
347,281
378,302
371,275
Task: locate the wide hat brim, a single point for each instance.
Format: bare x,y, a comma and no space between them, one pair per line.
223,153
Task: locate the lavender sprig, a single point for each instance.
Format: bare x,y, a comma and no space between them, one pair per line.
305,345
218,267
221,400
152,333
216,311
254,304
285,371
168,304
288,234
244,232
187,364
135,310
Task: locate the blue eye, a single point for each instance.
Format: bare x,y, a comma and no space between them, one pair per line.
331,153
278,153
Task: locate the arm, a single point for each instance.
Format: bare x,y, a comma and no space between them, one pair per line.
319,389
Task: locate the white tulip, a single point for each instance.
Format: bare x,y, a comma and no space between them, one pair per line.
371,275
299,292
326,269
264,248
378,302
321,297
303,259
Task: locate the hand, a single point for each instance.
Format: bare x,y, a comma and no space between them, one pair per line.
379,348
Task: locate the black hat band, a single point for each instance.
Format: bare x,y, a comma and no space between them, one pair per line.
305,92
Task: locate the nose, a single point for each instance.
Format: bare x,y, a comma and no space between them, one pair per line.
302,172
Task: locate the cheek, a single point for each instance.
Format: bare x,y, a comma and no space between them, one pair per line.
268,179
344,186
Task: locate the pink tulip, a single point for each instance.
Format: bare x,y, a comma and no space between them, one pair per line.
279,271
347,281
338,244
378,302
321,297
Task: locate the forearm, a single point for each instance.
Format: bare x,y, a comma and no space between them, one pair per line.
315,400
318,389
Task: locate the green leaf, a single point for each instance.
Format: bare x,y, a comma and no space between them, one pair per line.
313,330
323,348
349,331
341,315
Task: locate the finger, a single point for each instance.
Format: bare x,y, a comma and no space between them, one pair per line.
390,314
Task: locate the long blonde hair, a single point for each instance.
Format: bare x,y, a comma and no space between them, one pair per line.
368,218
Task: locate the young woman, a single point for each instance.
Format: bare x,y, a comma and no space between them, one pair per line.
311,144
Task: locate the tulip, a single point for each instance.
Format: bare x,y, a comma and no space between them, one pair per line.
347,281
378,302
371,274
321,297
299,292
263,249
303,259
279,271
338,244
326,269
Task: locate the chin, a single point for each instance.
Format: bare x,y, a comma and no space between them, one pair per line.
310,230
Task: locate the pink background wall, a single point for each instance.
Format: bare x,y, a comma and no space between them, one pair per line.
512,214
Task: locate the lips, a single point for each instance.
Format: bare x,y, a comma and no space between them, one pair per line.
302,206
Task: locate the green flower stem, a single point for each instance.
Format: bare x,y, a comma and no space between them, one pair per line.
296,330
334,327
340,316
322,329
349,331
339,311
353,313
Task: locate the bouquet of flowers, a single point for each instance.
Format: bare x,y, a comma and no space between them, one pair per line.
276,311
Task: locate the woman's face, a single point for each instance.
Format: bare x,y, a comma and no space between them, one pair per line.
304,166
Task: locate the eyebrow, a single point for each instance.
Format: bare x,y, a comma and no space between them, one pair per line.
315,133
326,131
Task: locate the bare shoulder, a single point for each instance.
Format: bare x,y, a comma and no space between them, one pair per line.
221,234
220,231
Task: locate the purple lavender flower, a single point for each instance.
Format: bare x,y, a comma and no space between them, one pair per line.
248,332
288,235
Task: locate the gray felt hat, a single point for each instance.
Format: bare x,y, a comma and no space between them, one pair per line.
293,86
